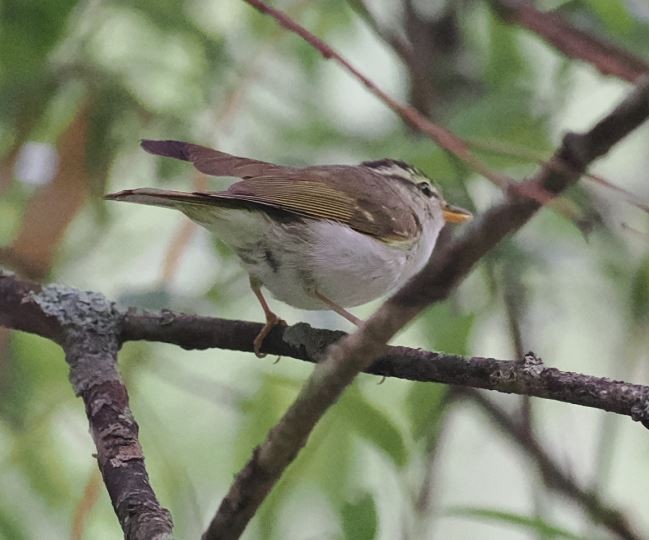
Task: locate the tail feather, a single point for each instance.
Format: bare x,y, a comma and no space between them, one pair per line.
172,149
209,161
158,197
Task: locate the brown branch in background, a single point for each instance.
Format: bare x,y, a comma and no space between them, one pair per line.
181,238
85,505
7,164
427,493
54,205
514,297
399,45
553,475
577,151
86,326
642,235
433,85
616,54
437,44
358,351
627,195
609,59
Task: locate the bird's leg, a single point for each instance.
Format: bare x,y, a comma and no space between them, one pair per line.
340,310
272,320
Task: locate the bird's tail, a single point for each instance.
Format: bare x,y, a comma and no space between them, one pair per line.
159,197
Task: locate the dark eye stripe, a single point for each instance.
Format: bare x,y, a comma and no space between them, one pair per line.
427,190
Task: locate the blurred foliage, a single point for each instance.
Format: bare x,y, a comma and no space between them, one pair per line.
389,459
535,525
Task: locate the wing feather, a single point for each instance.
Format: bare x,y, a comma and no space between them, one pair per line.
334,192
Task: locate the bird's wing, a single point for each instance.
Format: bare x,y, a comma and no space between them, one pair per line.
330,193
336,193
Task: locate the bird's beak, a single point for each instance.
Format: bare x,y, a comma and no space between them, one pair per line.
455,214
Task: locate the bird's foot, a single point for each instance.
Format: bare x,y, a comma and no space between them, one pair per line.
272,321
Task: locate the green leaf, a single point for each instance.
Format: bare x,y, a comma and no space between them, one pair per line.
505,63
512,114
374,425
425,405
613,14
533,524
447,330
639,301
10,526
29,29
359,518
35,378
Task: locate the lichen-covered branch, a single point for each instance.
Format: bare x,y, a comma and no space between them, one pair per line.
87,326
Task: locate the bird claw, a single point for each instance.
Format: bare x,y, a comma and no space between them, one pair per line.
272,321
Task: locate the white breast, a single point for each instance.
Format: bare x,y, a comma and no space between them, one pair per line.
294,260
348,267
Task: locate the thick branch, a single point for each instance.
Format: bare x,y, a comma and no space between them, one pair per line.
608,58
310,344
86,325
572,158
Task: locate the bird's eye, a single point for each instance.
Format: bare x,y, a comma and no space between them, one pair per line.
426,189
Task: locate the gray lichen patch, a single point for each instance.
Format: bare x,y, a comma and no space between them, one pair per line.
532,365
91,325
302,335
76,309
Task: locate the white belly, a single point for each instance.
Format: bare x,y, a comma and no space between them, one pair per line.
347,267
341,264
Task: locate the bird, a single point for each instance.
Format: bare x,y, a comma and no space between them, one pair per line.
324,237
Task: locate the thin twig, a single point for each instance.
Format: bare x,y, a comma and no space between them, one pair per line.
443,137
608,58
85,505
398,44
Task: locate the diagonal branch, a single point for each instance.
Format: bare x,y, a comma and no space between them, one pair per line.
358,351
608,58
